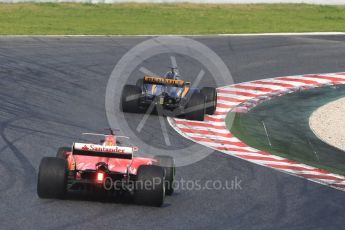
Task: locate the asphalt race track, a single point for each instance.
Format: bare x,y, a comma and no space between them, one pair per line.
52,89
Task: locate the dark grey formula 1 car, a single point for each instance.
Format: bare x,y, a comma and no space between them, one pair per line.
170,95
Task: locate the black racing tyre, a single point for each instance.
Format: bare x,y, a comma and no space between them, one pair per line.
168,164
61,152
149,187
211,99
130,98
52,178
140,83
195,108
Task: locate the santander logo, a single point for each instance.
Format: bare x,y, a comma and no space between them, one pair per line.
85,148
98,148
101,148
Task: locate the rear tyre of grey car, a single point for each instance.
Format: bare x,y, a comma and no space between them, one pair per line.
52,178
140,83
61,152
149,187
211,99
168,164
130,99
195,108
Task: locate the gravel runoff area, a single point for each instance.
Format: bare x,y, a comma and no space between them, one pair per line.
328,123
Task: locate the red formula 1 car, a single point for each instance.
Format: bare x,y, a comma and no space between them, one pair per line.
106,167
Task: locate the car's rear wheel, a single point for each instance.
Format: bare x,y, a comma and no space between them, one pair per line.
140,83
149,187
168,164
211,99
130,98
61,152
52,178
195,108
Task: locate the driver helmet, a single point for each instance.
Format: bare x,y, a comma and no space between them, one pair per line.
110,141
171,75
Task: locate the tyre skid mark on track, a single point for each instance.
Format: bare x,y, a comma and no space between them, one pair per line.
27,166
214,134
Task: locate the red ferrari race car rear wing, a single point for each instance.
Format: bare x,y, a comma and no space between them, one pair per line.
163,81
102,151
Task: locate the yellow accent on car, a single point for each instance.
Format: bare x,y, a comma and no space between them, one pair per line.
164,81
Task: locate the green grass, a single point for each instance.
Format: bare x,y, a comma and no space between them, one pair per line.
131,19
287,131
242,131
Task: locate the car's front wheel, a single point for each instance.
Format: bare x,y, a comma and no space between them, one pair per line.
61,153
